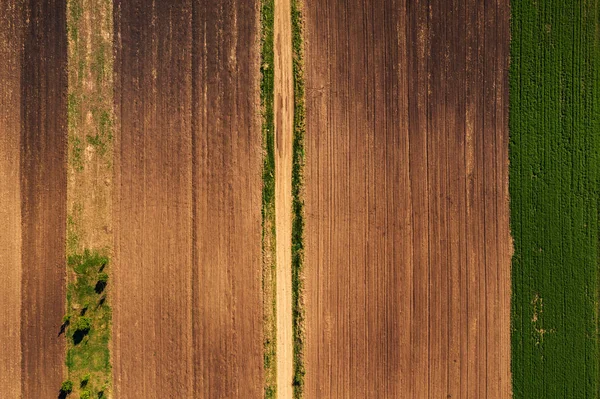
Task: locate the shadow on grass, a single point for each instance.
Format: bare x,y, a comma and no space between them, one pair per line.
63,328
100,286
78,336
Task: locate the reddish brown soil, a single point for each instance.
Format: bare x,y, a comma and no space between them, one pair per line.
187,270
43,197
153,201
407,240
10,199
228,309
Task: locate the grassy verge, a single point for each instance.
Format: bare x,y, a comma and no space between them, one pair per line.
87,321
268,198
298,200
87,324
554,165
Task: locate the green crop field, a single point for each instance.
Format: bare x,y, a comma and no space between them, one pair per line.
554,165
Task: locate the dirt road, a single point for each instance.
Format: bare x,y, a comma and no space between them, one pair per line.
407,243
284,105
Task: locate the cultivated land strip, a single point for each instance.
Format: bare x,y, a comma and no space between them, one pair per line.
11,34
407,240
188,160
297,239
228,165
43,196
89,196
152,268
269,233
554,158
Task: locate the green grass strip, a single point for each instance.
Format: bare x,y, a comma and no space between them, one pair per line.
88,317
298,316
554,165
268,197
87,323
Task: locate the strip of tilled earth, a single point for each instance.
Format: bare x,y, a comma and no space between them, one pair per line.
407,244
10,197
43,196
152,265
228,160
188,160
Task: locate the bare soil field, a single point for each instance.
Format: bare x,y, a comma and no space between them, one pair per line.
228,159
10,198
152,268
187,201
43,197
407,234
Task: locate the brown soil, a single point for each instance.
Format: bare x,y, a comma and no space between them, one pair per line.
10,199
284,114
187,267
228,341
153,201
407,240
43,197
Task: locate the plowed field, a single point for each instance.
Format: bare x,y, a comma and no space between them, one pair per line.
407,224
188,303
33,186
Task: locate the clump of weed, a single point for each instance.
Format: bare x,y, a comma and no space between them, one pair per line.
66,387
85,380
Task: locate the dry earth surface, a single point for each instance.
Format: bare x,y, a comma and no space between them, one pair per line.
407,235
43,196
407,232
10,198
33,199
187,200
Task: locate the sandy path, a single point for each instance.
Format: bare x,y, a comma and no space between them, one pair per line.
43,196
10,198
407,244
284,108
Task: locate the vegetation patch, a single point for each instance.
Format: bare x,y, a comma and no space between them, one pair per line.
268,198
298,200
87,323
554,166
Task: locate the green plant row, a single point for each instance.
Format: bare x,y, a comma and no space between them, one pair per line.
268,196
298,199
554,165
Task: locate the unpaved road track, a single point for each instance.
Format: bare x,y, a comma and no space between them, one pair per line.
407,234
187,270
